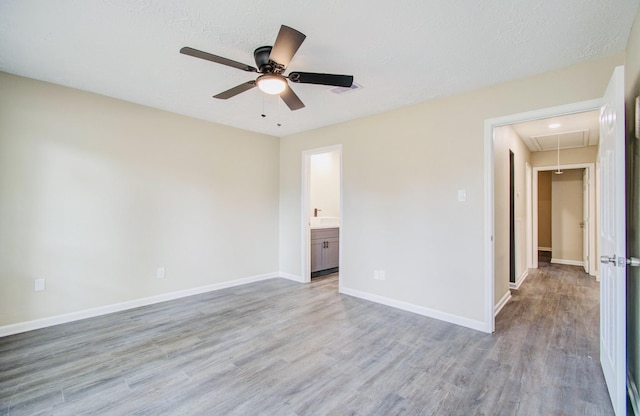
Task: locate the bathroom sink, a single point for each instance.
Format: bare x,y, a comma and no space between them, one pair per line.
324,222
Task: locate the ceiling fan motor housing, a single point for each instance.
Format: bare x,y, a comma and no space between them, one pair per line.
271,62
261,55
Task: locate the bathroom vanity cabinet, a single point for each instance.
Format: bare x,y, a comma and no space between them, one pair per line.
324,249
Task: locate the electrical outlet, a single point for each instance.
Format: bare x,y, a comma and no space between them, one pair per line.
38,285
160,273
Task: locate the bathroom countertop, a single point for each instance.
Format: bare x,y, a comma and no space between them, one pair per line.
324,222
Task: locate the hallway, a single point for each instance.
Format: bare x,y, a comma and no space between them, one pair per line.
553,322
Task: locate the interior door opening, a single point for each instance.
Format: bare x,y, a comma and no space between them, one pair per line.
496,221
322,212
512,219
564,211
611,229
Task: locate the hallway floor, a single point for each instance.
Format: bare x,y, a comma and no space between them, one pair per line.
553,322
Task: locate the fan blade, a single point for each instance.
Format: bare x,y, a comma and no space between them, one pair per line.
291,99
287,44
321,79
217,59
235,90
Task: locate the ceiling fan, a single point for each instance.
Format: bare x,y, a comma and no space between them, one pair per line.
271,63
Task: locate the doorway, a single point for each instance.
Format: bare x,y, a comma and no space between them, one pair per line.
512,218
490,203
575,201
321,212
611,192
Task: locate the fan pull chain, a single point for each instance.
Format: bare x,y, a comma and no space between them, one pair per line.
263,113
279,111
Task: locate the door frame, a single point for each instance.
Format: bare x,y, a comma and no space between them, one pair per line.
590,168
489,191
512,218
306,214
529,214
587,212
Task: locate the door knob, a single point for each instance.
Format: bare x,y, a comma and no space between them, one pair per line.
607,259
621,261
633,262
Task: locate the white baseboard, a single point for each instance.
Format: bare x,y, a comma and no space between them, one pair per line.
519,280
567,262
544,248
503,301
420,310
290,276
118,307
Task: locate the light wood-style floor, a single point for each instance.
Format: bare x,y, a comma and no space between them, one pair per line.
281,348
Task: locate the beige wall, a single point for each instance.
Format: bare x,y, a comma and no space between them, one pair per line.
566,215
567,156
544,209
401,173
505,139
96,194
324,186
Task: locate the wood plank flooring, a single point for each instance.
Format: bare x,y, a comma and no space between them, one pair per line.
281,348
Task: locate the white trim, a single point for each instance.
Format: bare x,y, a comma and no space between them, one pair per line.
596,223
123,306
489,228
591,169
505,299
529,215
489,210
305,211
593,219
291,276
420,310
567,262
519,280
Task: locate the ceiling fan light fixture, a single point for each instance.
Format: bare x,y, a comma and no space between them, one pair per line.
271,61
271,84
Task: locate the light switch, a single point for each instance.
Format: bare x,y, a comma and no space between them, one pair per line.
462,195
38,285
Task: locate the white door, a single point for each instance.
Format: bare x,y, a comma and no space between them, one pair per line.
612,242
585,220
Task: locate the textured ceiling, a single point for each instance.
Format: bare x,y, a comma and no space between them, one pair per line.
401,53
575,130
